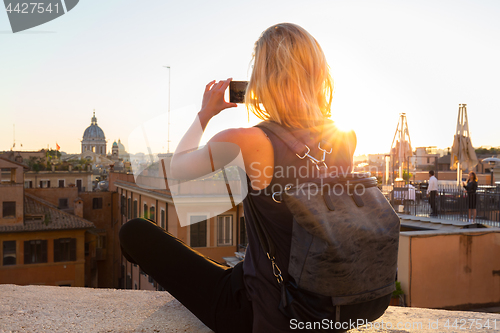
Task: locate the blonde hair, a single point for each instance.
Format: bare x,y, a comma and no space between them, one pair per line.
290,82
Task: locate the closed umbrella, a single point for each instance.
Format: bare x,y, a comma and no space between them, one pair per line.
401,144
463,155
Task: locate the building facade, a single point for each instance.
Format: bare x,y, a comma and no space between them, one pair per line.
39,243
82,180
216,236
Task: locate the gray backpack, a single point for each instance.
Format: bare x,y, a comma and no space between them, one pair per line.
344,241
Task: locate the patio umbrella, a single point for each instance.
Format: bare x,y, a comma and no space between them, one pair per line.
463,155
401,144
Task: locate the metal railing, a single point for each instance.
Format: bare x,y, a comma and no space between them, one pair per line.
451,202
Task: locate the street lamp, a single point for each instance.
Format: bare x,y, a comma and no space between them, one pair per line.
492,161
168,125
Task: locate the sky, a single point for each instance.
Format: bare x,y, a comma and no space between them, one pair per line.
422,58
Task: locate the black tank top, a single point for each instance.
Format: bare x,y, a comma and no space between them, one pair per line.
261,285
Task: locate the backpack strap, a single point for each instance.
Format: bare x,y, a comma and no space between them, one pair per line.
264,238
296,146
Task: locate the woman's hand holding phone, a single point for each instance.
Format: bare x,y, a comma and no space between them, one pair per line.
213,100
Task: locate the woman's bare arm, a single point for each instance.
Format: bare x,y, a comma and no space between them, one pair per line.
189,162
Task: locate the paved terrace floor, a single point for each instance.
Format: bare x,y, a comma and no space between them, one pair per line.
65,309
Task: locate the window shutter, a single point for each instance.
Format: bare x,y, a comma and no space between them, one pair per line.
229,234
26,252
41,184
166,216
72,249
202,233
57,256
48,183
44,250
220,225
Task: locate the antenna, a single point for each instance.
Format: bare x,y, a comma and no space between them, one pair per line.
14,134
168,124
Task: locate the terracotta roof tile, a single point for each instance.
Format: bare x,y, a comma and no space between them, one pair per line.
54,218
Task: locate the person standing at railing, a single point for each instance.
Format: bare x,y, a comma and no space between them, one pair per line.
471,188
432,191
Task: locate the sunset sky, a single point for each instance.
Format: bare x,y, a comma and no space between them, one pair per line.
423,58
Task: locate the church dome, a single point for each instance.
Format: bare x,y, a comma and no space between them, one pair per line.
115,144
93,132
121,147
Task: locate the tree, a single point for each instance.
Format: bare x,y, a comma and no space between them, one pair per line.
486,151
35,164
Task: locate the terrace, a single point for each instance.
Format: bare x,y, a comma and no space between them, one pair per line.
63,309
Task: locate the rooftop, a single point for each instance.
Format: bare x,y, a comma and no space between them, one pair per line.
41,215
434,223
63,309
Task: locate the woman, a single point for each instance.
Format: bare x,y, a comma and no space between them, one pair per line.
471,188
290,85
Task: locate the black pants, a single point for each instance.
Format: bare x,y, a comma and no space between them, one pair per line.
432,201
212,292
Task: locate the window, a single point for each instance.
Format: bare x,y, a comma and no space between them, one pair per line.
61,182
79,184
145,211
97,203
87,249
129,282
122,276
152,215
135,209
9,209
428,160
243,232
64,249
162,219
101,242
7,175
35,251
9,253
123,205
225,230
198,231
129,208
63,203
28,184
44,183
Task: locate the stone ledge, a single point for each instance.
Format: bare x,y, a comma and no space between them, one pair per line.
65,309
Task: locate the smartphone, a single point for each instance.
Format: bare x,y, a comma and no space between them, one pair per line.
237,91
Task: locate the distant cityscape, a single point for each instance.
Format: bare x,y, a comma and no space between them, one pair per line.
61,214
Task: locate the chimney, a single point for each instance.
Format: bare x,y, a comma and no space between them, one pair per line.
79,207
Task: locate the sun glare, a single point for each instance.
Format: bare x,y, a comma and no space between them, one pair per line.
343,126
